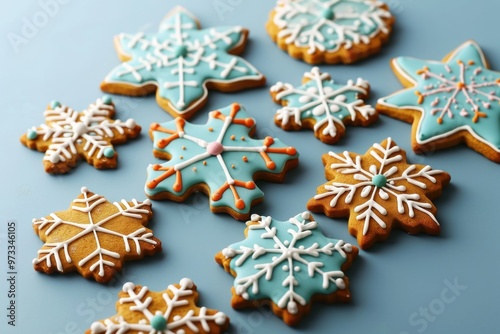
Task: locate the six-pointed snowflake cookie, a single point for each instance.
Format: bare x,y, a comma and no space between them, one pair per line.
379,191
69,135
181,62
330,31
449,102
94,236
322,105
290,263
219,158
172,311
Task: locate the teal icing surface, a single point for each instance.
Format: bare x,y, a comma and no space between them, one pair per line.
180,59
485,98
330,25
274,288
212,173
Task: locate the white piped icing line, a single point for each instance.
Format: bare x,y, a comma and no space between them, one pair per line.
56,252
379,183
160,320
351,22
293,246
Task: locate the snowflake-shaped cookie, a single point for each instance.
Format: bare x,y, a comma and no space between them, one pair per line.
322,105
456,100
69,135
330,31
291,263
219,158
94,236
172,311
379,191
181,62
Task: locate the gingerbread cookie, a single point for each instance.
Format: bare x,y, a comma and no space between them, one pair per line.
449,102
291,264
181,62
94,237
219,158
325,31
379,191
322,105
173,310
69,135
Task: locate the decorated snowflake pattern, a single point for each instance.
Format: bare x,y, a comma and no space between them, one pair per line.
94,236
219,155
69,135
322,104
378,191
328,25
458,96
288,262
172,311
179,61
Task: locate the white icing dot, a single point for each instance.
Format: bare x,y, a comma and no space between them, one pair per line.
245,296
292,307
301,247
186,282
274,258
130,123
147,202
127,286
296,269
180,331
285,268
240,290
228,252
276,246
97,327
340,283
255,217
177,317
306,215
84,190
286,242
220,318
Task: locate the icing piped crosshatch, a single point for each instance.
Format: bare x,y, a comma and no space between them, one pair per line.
181,62
219,158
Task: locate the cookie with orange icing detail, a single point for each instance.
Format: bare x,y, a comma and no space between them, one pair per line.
219,158
174,310
379,191
448,102
330,31
68,136
95,237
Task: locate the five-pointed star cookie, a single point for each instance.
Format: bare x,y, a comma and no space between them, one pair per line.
69,135
94,236
181,62
322,105
291,263
172,311
379,191
449,102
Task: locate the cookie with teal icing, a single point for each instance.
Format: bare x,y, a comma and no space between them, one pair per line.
289,264
448,102
326,31
173,310
219,158
181,62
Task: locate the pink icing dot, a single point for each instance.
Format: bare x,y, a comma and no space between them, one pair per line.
215,148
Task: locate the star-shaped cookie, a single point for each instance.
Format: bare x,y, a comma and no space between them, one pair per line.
181,62
449,102
379,191
173,310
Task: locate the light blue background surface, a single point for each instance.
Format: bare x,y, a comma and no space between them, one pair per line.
391,284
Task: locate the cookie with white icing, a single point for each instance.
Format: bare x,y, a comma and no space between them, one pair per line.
95,237
289,264
181,62
174,310
448,102
219,158
379,191
322,105
330,31
68,136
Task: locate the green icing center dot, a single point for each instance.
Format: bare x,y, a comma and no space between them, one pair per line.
180,51
159,323
328,14
379,180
